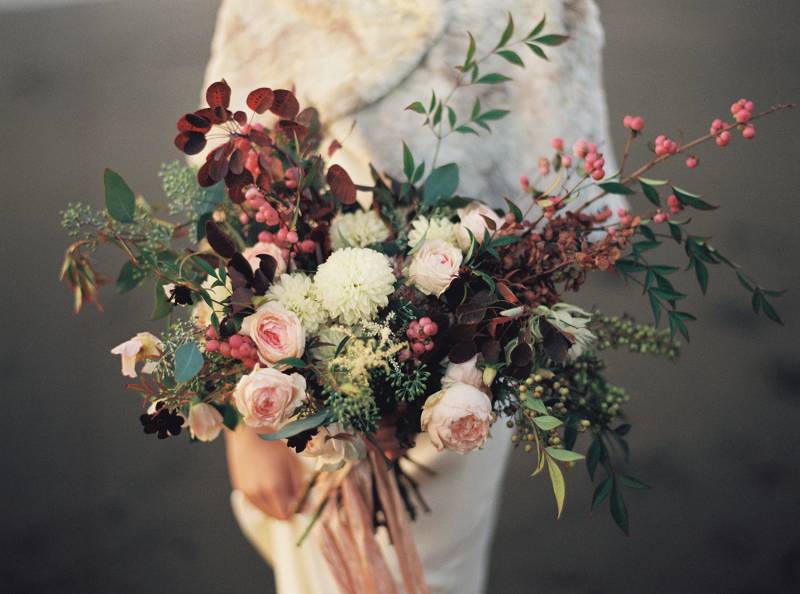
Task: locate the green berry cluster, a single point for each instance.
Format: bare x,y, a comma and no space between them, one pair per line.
358,411
615,332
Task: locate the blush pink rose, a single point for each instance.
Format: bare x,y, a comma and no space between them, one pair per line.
268,249
205,422
475,219
458,418
276,332
266,398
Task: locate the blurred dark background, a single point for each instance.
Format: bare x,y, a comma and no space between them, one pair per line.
92,505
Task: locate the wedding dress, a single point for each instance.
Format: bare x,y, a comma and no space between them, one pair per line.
364,61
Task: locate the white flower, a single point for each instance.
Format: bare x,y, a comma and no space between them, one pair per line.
296,292
201,314
205,422
423,228
354,283
474,218
434,266
464,373
573,322
357,229
332,447
458,418
138,348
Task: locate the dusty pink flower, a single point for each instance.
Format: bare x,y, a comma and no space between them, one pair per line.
205,422
458,418
267,397
276,332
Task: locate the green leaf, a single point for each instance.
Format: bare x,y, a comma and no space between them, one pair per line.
416,107
692,200
493,78
505,240
507,32
654,182
538,28
557,480
514,209
668,294
420,171
650,193
188,362
676,324
476,109
441,183
552,39
744,282
470,52
594,456
451,116
655,304
162,305
770,311
464,129
633,483
120,201
629,266
291,362
601,491
616,188
547,422
701,272
676,232
493,114
512,57
130,277
408,162
437,114
537,50
230,417
295,427
618,510
535,404
564,455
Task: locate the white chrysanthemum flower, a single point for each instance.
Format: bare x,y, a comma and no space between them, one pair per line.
354,283
423,228
357,229
296,292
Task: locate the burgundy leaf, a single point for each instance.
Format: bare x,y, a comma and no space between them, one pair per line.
334,146
284,104
219,241
190,143
240,272
268,265
462,352
193,123
218,94
260,100
217,168
237,162
309,117
236,185
341,184
521,355
259,137
240,117
491,351
292,129
241,299
204,177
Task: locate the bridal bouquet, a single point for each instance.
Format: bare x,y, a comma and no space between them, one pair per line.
318,311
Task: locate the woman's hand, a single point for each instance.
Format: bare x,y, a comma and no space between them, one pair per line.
267,472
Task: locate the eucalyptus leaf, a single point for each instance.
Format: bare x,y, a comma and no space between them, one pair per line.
120,201
298,426
188,362
441,183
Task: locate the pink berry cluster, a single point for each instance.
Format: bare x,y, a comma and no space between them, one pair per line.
593,161
660,216
674,204
287,239
558,145
665,146
742,112
633,123
236,347
420,335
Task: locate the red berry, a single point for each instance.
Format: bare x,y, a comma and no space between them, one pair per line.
225,349
235,341
212,345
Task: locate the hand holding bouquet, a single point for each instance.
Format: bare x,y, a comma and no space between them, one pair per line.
317,310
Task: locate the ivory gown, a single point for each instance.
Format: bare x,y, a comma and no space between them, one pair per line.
365,60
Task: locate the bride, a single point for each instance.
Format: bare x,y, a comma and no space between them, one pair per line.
363,61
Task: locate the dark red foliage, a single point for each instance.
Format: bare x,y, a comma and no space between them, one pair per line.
341,185
284,104
218,94
260,100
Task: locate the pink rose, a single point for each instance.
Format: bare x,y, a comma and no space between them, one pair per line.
276,332
475,218
205,422
458,418
434,266
251,254
266,398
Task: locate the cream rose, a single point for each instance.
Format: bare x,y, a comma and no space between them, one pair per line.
434,266
464,373
473,218
276,332
333,447
205,422
264,248
266,397
458,418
